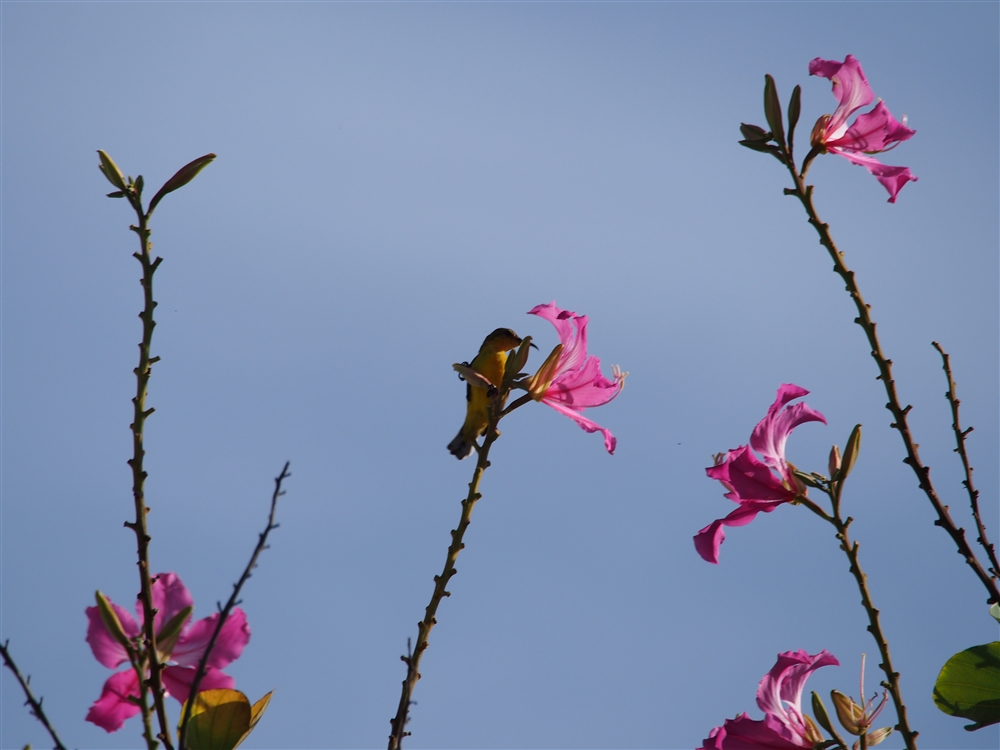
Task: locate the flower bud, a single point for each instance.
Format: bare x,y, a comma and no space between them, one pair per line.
849,713
166,639
833,465
851,451
878,735
820,711
110,619
111,171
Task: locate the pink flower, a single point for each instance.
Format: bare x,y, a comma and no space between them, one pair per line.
871,133
170,598
570,381
779,696
751,482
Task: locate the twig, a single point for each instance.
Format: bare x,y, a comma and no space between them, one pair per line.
412,660
960,434
804,193
140,413
233,601
36,705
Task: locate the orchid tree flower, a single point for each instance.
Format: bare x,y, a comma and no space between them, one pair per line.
758,485
779,696
569,380
112,633
872,133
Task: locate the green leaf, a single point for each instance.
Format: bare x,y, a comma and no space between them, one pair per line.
772,110
110,170
219,720
794,108
995,611
969,685
256,711
183,176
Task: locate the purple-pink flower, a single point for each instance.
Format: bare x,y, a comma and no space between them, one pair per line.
759,486
170,598
871,133
779,696
570,381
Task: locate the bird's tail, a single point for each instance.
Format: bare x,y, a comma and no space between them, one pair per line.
461,446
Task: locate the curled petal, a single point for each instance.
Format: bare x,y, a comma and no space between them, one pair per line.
780,692
107,650
892,178
709,539
229,645
111,710
177,681
748,479
610,441
872,132
770,434
850,87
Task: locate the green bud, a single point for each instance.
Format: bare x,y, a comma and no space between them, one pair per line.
772,110
166,639
138,185
516,362
794,108
110,619
878,735
754,133
111,171
819,711
851,451
833,465
182,177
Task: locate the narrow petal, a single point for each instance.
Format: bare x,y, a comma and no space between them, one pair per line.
709,539
610,442
232,640
107,650
892,178
111,710
850,87
770,434
177,681
584,387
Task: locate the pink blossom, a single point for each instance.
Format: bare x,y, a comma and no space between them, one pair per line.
779,696
570,381
170,598
758,486
872,133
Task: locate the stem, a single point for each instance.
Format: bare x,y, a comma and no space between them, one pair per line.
36,705
233,601
142,374
891,683
804,193
960,450
412,660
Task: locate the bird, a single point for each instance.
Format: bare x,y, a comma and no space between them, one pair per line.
490,363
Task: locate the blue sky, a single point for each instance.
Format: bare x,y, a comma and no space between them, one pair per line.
394,181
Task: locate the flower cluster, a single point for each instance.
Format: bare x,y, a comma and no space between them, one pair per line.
758,485
871,133
119,698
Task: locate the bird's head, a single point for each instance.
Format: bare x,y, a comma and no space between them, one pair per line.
501,340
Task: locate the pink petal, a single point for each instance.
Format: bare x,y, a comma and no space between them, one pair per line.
111,710
232,640
177,681
892,178
744,733
170,596
748,479
785,682
610,442
850,87
107,650
709,539
770,434
873,132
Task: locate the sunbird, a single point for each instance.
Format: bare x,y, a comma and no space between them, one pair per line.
489,363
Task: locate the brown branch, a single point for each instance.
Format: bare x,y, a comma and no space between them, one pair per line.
804,193
412,659
960,434
30,700
233,601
